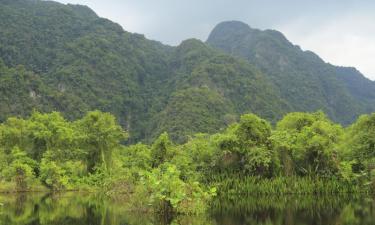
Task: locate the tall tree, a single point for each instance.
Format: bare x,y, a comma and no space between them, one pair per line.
100,135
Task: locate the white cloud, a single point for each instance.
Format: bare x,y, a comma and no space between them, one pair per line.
342,32
346,40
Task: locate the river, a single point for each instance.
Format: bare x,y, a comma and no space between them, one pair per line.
87,209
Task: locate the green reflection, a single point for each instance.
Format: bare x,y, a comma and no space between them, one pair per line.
295,210
81,209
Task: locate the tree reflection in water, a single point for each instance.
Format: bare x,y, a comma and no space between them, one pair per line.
84,209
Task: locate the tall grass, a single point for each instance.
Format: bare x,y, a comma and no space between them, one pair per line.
234,186
251,204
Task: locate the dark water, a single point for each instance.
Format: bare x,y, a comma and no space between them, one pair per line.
81,209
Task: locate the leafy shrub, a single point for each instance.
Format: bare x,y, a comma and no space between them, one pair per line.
166,193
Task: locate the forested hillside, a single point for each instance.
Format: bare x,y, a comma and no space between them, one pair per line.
56,57
172,131
211,89
303,79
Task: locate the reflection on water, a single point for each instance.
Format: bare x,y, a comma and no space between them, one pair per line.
82,209
297,210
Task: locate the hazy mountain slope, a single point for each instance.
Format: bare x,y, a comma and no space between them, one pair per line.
75,53
210,89
82,62
361,88
66,58
305,81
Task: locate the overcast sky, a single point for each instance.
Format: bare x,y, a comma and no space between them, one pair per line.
342,32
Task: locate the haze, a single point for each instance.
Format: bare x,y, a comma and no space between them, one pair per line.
342,32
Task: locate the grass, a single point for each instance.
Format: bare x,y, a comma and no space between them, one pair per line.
10,187
239,185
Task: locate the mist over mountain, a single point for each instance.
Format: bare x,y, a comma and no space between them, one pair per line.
303,79
66,58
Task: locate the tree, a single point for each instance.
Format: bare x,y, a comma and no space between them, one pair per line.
253,134
312,142
40,133
51,132
200,151
21,169
15,132
360,143
136,157
246,147
253,131
167,193
161,150
60,173
52,175
100,135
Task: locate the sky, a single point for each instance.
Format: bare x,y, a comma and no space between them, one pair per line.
342,32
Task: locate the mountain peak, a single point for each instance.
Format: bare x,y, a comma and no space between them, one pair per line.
191,45
234,25
191,42
74,61
232,28
297,72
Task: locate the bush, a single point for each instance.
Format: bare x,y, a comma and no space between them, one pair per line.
21,170
53,176
166,193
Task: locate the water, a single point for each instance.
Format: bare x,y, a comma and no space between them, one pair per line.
83,209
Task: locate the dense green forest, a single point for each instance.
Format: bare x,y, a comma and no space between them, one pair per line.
304,153
302,77
86,106
64,58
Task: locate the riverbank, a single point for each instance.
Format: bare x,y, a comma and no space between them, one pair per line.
227,185
75,209
239,185
12,188
305,153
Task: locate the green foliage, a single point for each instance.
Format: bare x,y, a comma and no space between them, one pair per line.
300,77
65,58
52,175
246,147
230,186
253,131
58,152
161,150
361,137
311,140
20,170
137,157
360,147
41,133
100,135
71,59
56,57
306,153
167,193
192,110
346,171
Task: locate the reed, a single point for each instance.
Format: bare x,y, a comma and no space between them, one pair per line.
235,186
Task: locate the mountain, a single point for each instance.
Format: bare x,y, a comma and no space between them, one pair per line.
83,62
56,57
210,89
65,58
304,80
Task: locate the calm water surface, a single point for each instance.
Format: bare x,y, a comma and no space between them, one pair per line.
81,209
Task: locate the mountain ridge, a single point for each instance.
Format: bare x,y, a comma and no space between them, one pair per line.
66,58
278,58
